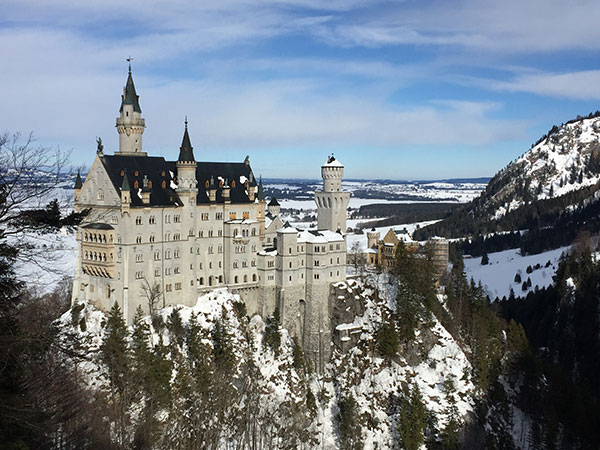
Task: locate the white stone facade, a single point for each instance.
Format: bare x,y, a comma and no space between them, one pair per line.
187,227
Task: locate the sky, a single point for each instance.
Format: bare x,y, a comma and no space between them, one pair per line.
411,89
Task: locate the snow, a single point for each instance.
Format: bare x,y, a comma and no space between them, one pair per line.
497,277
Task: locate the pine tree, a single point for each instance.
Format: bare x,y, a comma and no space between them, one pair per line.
517,278
412,418
485,260
114,351
387,340
349,424
272,336
175,327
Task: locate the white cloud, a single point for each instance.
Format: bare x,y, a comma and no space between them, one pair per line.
583,85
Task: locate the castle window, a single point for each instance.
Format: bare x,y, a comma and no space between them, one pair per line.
191,232
220,249
201,280
82,287
271,264
204,216
253,248
290,264
233,184
210,280
220,278
210,249
139,275
290,250
323,249
152,220
176,270
253,277
162,174
191,267
85,237
163,184
330,246
136,185
220,233
210,233
177,218
138,239
337,246
157,272
200,233
169,287
136,173
100,194
232,215
176,236
176,253
168,271
138,220
253,231
316,276
235,264
151,239
253,263
139,257
246,215
235,279
200,266
167,219
338,260
156,256
122,173
167,236
167,254
245,278
150,184
244,263
317,249
219,216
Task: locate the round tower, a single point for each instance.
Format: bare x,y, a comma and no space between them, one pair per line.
130,123
332,202
372,238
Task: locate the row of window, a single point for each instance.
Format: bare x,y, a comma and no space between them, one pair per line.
97,256
96,237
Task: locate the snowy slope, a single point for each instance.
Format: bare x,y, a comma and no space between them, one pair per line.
372,380
497,277
563,161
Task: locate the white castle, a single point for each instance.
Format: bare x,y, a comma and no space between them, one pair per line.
182,228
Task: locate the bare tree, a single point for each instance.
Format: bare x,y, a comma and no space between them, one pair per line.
357,258
153,294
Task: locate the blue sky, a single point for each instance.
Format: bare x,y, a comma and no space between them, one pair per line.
395,89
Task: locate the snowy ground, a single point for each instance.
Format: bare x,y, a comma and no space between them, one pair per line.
497,277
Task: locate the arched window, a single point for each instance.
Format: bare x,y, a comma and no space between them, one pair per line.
245,278
100,194
163,184
235,279
136,185
253,277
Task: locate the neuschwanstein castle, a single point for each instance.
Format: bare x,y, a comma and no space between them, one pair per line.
186,227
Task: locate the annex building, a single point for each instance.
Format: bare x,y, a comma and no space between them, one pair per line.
161,233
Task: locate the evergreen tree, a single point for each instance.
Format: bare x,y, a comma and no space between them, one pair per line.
349,424
517,278
272,336
485,260
387,340
114,351
175,327
412,418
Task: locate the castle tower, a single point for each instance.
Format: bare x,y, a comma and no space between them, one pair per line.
332,202
78,186
186,169
130,123
273,207
372,238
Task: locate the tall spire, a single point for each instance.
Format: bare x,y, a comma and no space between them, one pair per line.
186,153
78,182
261,192
129,96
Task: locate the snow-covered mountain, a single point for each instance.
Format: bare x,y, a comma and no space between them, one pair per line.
564,160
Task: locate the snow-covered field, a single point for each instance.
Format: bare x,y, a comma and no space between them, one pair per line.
498,276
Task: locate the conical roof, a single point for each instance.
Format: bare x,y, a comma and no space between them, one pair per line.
125,185
273,202
130,97
78,182
261,192
186,153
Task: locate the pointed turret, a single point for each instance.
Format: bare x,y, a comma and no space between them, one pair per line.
129,96
125,194
78,182
273,207
186,170
261,192
186,151
130,123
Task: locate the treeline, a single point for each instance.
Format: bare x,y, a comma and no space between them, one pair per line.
405,212
560,388
546,224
